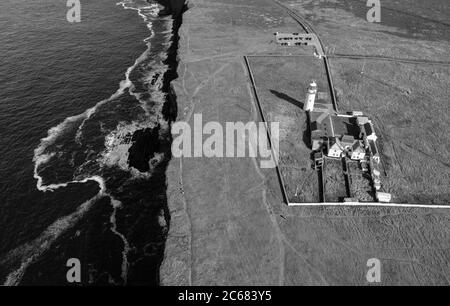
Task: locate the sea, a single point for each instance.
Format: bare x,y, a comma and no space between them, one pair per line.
85,112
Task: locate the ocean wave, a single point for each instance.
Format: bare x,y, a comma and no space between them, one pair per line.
126,245
146,89
123,85
145,9
150,83
117,145
28,253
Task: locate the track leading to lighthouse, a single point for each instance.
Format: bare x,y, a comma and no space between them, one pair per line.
308,28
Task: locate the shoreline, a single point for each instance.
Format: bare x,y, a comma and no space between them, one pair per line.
176,8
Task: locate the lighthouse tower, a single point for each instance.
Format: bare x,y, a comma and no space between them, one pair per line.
310,97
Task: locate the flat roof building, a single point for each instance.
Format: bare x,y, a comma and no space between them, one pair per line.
368,131
362,120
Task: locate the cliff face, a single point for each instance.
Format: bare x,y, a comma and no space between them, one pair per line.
177,6
175,266
173,7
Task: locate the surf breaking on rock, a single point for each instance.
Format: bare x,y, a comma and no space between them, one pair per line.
66,144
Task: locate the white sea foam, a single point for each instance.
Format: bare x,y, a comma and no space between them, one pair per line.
123,85
42,157
28,253
118,143
145,10
31,251
126,246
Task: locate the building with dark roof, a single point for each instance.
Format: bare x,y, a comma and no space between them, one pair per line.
375,155
367,131
320,125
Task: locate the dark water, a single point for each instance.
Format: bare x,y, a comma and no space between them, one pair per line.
84,140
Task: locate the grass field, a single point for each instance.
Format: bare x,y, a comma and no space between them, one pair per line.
282,84
408,28
410,109
361,187
229,224
334,181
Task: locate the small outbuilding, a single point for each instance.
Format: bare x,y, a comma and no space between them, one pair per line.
362,120
383,197
318,160
368,132
374,151
377,185
317,144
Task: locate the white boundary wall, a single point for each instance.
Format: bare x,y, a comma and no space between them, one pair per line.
370,204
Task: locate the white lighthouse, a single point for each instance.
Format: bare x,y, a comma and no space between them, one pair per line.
310,97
